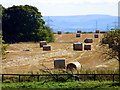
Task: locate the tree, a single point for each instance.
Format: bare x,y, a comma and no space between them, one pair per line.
2,47
23,24
112,38
50,37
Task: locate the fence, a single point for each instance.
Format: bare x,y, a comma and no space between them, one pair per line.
83,77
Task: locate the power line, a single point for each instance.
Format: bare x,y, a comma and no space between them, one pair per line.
48,20
107,27
96,24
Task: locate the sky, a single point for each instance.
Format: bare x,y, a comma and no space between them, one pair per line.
69,7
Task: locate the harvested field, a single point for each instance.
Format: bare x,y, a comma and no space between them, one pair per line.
19,61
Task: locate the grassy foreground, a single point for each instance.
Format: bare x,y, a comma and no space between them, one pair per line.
70,85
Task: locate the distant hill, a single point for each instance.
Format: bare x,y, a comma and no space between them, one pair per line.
86,23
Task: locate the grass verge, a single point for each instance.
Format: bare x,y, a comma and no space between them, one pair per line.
73,84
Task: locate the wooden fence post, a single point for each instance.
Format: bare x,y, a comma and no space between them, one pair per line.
38,78
19,78
94,77
113,77
2,77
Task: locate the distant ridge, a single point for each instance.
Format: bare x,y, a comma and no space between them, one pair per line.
86,23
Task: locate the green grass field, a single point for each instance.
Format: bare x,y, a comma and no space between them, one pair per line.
70,84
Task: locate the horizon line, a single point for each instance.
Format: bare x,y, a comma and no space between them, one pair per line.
80,15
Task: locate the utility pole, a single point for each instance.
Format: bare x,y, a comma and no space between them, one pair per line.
115,26
116,23
107,27
48,20
96,25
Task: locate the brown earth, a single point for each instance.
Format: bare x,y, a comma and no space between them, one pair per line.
19,61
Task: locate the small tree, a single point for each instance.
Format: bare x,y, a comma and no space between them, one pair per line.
112,38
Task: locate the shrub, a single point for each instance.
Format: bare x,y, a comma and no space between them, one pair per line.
7,81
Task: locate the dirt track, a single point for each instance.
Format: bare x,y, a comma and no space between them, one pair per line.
19,61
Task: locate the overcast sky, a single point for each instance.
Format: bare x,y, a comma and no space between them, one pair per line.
69,7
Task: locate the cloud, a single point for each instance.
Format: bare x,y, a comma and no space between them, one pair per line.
8,3
76,1
59,1
69,7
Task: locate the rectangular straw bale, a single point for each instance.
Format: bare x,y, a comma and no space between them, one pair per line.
88,40
43,43
87,47
77,34
59,64
46,48
79,31
97,31
78,46
96,36
59,32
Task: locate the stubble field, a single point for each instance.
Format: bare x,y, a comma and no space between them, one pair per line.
19,61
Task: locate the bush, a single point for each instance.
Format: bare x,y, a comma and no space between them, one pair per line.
68,32
7,81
